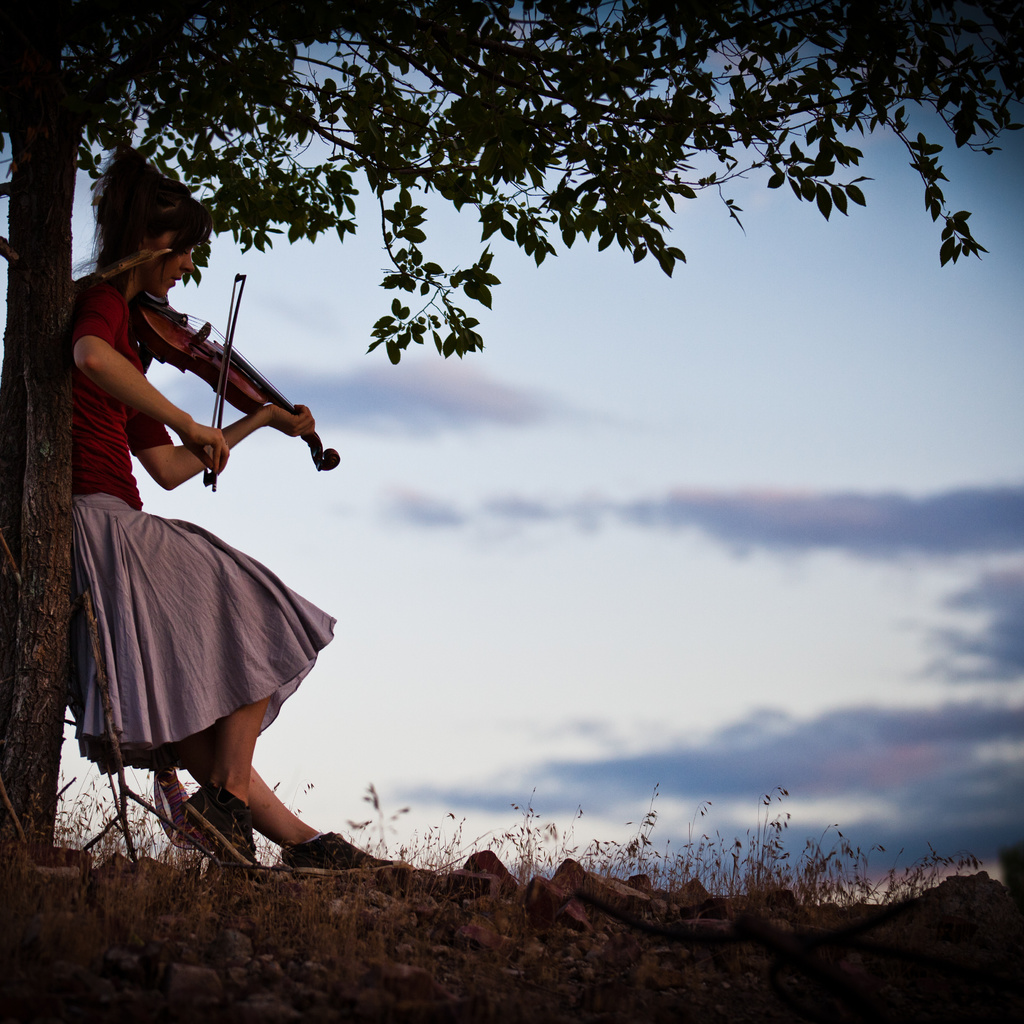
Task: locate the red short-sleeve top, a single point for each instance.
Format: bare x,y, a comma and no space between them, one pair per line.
104,430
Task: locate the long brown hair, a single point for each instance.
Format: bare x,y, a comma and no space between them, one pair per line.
135,201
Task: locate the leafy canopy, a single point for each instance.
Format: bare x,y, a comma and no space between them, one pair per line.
554,119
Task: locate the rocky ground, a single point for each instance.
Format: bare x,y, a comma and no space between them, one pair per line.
153,942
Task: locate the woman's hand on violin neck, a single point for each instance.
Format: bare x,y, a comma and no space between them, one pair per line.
294,425
208,444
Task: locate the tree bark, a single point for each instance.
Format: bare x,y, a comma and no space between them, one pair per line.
35,424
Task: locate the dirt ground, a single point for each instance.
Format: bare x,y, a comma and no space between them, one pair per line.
152,942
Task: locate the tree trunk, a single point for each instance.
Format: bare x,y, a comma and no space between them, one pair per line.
35,424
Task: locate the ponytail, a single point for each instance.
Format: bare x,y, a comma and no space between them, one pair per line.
135,201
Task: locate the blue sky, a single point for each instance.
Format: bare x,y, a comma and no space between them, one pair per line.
758,525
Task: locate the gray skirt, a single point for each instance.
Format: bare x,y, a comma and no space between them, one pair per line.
190,630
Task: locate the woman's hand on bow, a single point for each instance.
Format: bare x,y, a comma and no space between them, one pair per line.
208,444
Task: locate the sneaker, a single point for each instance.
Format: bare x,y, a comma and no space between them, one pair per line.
224,820
326,854
170,797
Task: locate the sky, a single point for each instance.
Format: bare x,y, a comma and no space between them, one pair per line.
673,543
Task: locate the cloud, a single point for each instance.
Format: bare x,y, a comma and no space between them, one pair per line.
964,521
949,776
996,652
421,510
416,399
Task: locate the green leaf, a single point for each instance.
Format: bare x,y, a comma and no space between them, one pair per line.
582,120
824,201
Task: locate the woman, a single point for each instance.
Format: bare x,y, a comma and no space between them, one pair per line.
201,643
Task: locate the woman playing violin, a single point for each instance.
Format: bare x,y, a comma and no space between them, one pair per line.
201,643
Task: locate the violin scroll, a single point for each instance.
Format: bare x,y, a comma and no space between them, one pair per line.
323,459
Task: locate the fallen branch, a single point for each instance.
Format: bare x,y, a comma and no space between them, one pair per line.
796,951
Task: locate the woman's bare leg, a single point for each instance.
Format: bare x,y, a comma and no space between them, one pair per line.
222,756
272,818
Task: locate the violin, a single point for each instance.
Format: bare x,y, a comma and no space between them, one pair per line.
166,335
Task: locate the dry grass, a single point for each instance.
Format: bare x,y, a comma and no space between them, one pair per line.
410,945
828,870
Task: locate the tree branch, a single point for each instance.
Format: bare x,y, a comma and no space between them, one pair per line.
7,252
129,69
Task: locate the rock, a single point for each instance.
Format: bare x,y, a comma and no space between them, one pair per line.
542,901
707,926
471,884
781,899
265,1008
652,975
375,1004
570,877
230,945
487,862
411,983
192,986
59,861
615,894
73,979
147,871
620,950
394,878
136,964
692,893
853,967
716,908
573,916
640,882
266,968
973,913
480,935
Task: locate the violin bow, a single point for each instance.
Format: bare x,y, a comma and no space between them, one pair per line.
210,476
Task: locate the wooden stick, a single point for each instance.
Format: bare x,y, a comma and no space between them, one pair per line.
10,810
96,838
108,714
128,263
14,564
